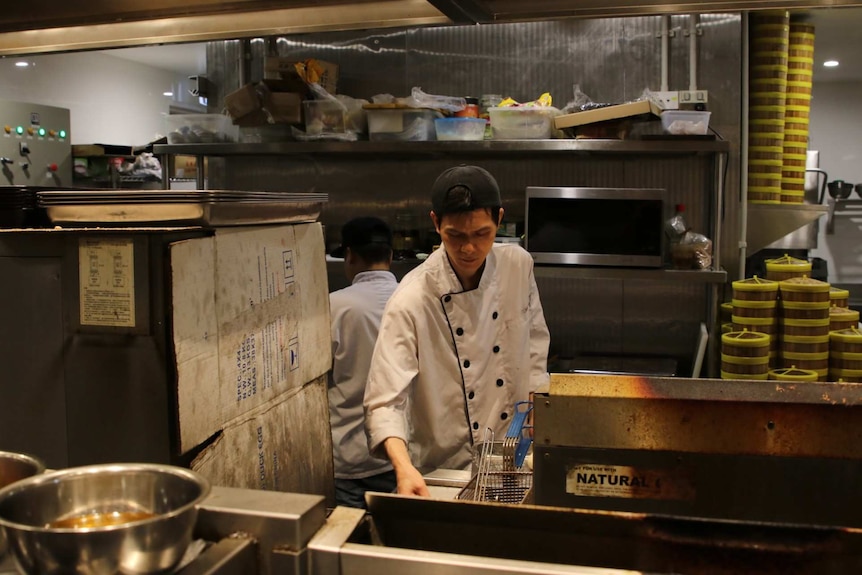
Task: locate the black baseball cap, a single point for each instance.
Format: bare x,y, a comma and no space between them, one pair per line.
483,188
362,232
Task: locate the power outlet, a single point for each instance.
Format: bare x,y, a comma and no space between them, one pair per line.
693,97
667,100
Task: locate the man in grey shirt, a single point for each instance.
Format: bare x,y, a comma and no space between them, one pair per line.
356,312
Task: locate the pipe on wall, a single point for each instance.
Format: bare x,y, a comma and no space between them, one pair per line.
665,50
692,52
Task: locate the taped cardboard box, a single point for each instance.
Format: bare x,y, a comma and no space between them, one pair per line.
307,71
264,103
283,445
250,322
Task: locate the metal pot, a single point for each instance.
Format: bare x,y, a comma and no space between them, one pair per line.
840,189
156,505
15,467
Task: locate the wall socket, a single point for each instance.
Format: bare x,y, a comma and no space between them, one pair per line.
667,100
693,97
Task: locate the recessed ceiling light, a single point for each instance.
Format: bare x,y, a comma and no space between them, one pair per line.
22,64
167,93
830,63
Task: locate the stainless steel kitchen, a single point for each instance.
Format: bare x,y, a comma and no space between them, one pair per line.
177,179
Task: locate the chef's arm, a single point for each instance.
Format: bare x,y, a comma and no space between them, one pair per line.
540,339
410,481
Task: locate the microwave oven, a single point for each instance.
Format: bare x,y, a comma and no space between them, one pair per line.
596,226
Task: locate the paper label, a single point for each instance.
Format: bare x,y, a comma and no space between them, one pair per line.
107,281
597,480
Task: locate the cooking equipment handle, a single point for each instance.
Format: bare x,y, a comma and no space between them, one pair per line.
822,187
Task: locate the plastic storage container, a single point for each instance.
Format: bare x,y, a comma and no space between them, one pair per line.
403,124
685,122
323,117
200,129
527,123
461,129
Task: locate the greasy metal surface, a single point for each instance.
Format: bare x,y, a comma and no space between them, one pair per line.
421,528
702,416
235,556
73,31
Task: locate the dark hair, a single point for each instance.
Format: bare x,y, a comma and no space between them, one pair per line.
460,199
373,253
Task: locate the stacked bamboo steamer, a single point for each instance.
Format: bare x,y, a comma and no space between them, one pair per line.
755,309
787,267
792,374
800,70
770,40
805,324
838,297
845,359
744,355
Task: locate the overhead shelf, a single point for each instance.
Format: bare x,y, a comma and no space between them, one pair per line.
682,146
669,275
767,223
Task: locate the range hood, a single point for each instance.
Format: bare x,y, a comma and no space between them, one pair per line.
41,26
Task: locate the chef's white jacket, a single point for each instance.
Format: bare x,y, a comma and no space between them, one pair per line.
356,311
450,363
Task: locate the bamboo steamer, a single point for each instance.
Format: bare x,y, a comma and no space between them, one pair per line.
767,325
804,327
786,267
839,297
762,196
842,318
846,340
726,328
753,308
755,289
848,375
805,309
803,289
805,344
745,344
818,362
845,360
792,374
726,311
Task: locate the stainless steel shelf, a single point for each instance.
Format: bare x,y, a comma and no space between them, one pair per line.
669,275
841,207
681,146
767,223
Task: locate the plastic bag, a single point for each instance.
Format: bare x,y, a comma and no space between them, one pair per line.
580,102
543,101
449,103
692,252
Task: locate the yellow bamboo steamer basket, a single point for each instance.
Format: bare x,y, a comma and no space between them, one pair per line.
846,340
800,51
766,155
842,318
805,344
792,373
808,327
726,327
845,360
765,196
768,99
767,325
768,112
846,375
792,157
805,309
799,89
733,367
761,309
818,362
794,136
755,289
786,267
758,141
798,99
803,289
745,344
725,311
766,127
839,297
792,197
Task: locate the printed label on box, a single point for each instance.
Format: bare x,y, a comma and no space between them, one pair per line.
107,281
598,480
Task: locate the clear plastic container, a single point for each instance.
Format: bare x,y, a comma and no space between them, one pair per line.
200,129
685,122
460,129
524,123
323,116
404,124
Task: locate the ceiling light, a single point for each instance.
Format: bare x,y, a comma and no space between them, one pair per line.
830,63
167,93
22,64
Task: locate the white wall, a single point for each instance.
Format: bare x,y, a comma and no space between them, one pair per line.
111,100
836,131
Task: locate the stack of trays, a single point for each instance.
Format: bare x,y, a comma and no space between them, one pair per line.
174,207
805,324
18,207
797,107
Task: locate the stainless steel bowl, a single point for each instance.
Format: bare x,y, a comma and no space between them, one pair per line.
29,510
15,467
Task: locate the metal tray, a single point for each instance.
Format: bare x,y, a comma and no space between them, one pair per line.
203,214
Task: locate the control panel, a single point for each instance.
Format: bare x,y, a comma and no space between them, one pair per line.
35,145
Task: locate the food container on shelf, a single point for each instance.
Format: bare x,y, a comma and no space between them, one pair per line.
323,117
685,122
460,129
200,129
402,124
521,123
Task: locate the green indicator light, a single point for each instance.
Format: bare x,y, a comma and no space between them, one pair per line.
19,130
62,133
42,132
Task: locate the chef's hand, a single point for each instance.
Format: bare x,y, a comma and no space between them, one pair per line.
410,481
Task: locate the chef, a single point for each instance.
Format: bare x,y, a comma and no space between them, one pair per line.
463,338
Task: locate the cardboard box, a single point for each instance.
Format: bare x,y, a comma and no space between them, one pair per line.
308,71
283,445
242,102
283,107
643,109
250,322
264,103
